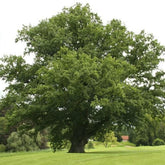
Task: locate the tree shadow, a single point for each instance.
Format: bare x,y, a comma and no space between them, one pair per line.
111,152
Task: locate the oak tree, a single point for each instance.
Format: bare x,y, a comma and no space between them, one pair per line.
86,76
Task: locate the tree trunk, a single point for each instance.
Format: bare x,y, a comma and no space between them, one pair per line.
77,146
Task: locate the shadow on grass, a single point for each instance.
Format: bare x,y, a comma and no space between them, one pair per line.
111,152
125,152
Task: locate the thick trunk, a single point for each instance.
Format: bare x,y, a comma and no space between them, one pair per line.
79,137
77,146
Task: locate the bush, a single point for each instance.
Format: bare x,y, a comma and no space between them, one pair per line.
109,138
3,131
3,125
23,142
141,142
2,148
41,141
158,142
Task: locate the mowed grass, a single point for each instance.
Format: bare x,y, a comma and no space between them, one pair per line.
99,156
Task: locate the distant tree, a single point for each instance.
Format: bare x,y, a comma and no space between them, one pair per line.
3,125
151,129
3,130
86,77
109,138
18,142
161,129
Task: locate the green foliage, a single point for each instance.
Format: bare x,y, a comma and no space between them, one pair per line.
118,136
161,129
3,130
146,133
42,140
158,142
141,141
2,148
90,145
76,28
23,142
3,125
109,138
86,77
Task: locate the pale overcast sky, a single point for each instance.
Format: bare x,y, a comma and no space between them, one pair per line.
137,15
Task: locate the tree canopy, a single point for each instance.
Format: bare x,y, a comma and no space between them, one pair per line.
86,76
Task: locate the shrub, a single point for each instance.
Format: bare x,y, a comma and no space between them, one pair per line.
2,148
109,138
3,130
3,125
41,141
18,142
158,142
141,142
40,138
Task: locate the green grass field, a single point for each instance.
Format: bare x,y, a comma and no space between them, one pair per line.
99,156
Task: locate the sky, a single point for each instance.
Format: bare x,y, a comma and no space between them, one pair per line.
136,15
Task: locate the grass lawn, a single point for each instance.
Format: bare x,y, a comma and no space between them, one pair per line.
98,156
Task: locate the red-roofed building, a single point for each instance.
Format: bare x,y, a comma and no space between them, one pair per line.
125,138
